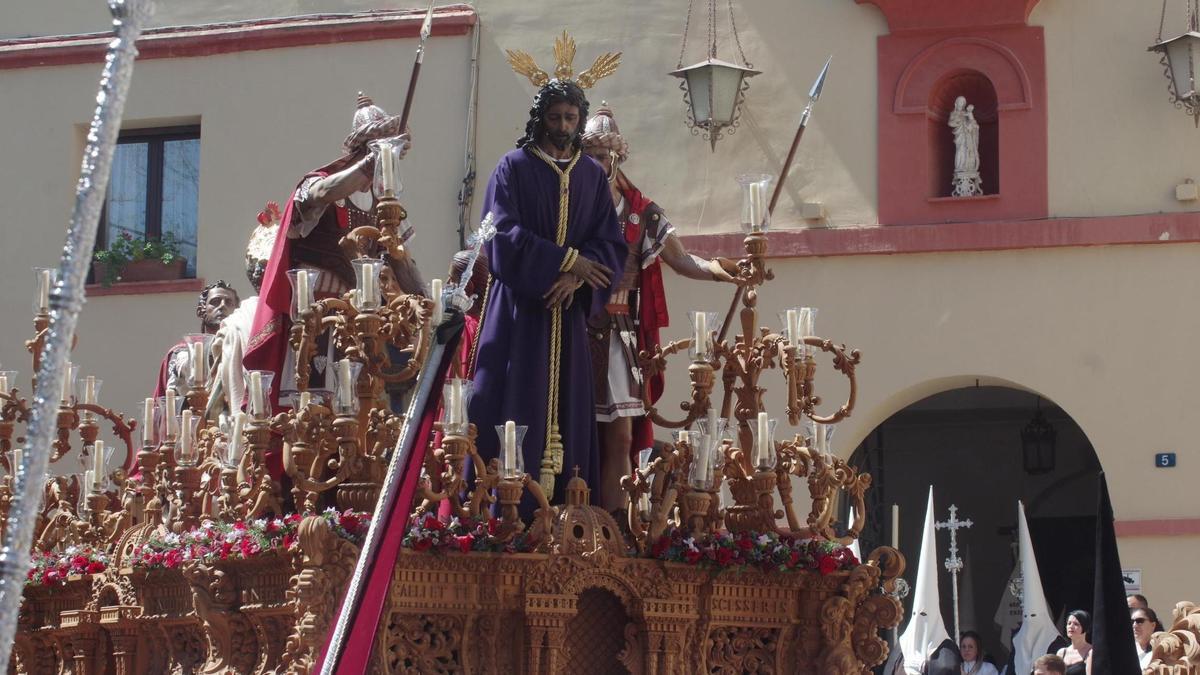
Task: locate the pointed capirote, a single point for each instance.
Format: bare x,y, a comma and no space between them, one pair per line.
926,629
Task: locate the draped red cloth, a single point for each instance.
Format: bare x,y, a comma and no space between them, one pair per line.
652,317
360,637
267,347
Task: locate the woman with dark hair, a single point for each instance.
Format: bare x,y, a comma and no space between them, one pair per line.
970,645
1078,656
1145,622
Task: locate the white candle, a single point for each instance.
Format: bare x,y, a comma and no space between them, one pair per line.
16,458
89,479
98,460
369,294
760,450
454,412
185,440
198,363
303,292
388,171
305,399
755,207
148,422
435,289
344,383
510,446
257,406
89,390
896,526
701,335
235,436
169,413
43,291
4,384
793,327
713,439
819,437
67,380
683,437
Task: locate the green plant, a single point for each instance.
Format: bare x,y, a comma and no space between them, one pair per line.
128,248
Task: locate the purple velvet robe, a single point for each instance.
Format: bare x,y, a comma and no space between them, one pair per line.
513,361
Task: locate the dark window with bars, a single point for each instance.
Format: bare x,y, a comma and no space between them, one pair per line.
154,188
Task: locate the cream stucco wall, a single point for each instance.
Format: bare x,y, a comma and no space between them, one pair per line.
1108,333
247,158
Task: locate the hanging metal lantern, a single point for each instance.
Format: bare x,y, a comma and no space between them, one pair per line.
713,89
1039,441
1180,57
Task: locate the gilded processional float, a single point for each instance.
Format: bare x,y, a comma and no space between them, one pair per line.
177,548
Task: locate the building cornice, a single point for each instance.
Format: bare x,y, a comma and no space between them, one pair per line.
239,36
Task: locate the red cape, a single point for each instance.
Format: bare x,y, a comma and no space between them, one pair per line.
652,317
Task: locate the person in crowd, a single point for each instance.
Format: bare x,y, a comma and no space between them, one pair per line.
1137,601
1050,664
970,645
1145,621
1077,656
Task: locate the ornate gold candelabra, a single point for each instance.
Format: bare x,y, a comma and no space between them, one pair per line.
755,486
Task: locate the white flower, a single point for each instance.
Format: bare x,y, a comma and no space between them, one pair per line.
764,539
691,544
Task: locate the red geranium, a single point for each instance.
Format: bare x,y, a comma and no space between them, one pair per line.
465,542
827,564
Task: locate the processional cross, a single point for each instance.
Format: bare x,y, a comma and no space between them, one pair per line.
954,564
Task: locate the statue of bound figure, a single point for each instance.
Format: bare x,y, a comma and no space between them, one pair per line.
962,122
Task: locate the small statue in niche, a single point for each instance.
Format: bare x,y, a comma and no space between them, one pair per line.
962,121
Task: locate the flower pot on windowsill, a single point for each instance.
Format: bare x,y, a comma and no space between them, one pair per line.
144,270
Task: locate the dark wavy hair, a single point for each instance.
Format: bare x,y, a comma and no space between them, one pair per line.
202,301
554,91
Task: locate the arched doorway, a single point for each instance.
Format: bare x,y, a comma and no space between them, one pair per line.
968,444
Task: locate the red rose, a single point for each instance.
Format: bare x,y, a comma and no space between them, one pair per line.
465,543
493,526
239,525
660,547
271,527
827,564
422,544
692,557
349,522
724,556
248,547
793,559
432,523
226,549
745,543
50,577
173,558
95,566
288,540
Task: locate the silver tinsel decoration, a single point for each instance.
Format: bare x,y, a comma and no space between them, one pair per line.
66,300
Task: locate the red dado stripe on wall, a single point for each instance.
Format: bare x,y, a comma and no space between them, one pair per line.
1156,228
1173,527
239,36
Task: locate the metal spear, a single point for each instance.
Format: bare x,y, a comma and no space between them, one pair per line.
426,28
66,301
814,93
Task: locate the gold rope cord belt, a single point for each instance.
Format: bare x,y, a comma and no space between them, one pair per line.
552,457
